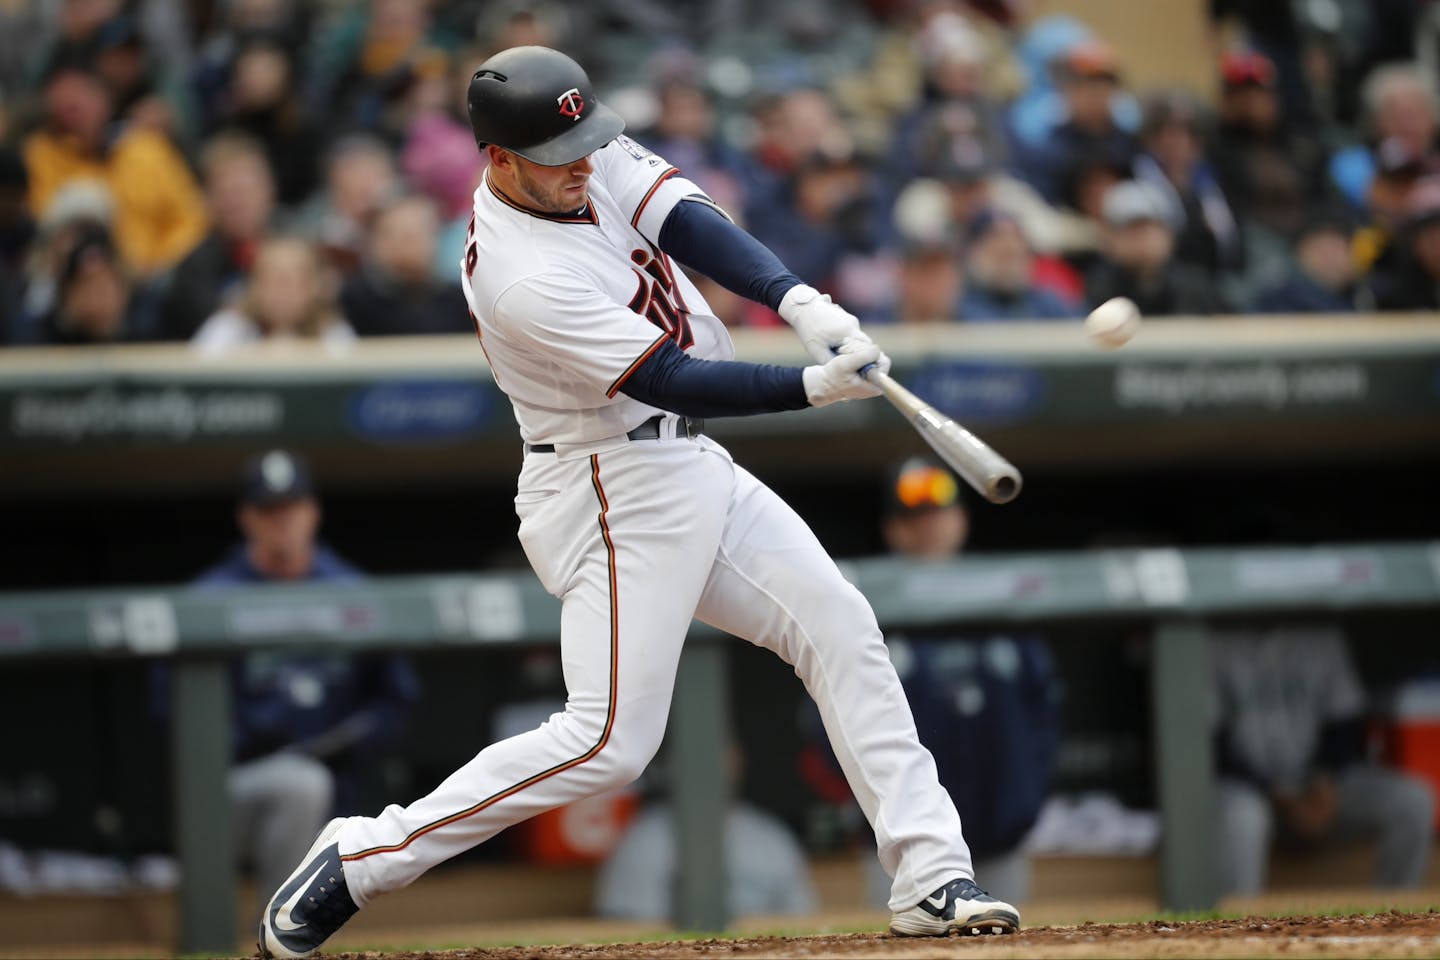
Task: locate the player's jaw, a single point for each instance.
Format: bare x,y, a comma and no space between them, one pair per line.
559,189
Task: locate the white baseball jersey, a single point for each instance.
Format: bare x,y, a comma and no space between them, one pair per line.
568,306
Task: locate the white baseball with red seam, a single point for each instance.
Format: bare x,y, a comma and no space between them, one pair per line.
1113,323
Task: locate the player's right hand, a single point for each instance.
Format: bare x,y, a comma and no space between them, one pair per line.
839,377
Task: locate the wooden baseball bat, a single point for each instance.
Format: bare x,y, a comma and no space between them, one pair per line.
994,477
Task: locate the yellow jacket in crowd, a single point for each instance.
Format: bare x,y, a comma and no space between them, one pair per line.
159,209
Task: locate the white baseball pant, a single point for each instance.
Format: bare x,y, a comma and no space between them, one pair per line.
637,538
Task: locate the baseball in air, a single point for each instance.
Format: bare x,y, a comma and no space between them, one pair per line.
1113,323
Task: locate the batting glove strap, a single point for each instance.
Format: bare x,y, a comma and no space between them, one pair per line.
821,324
838,378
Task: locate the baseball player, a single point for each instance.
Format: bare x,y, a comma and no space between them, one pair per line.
636,519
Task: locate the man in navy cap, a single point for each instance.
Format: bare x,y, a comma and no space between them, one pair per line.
303,721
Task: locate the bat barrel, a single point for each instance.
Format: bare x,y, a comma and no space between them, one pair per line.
994,477
1004,488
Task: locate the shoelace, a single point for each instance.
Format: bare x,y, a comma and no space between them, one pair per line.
331,909
966,889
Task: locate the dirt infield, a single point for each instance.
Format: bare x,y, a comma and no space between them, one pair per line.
1393,934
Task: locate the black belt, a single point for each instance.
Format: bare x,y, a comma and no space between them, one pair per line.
649,430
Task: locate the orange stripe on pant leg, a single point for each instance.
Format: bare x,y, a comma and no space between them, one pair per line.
510,791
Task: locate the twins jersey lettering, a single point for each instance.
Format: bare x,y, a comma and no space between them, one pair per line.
567,306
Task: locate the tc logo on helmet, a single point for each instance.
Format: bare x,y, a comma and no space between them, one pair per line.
571,103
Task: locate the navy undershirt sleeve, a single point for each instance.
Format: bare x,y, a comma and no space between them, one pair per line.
700,237
673,380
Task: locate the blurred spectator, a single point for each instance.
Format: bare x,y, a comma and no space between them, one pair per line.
995,695
1089,79
825,222
930,283
964,183
1323,279
396,292
1040,107
1400,104
224,29
263,99
1093,171
1269,169
17,230
95,299
520,23
955,99
791,129
1001,280
289,297
360,177
1398,169
367,57
73,30
685,134
159,212
20,23
1276,30
969,175
1411,279
306,726
439,159
1289,731
766,869
145,91
694,21
79,206
1137,258
1174,162
240,194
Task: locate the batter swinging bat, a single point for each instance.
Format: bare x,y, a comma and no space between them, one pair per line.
991,474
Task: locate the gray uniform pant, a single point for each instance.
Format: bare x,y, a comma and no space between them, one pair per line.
278,802
1395,810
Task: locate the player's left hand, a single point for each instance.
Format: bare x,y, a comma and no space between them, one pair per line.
838,378
822,324
851,344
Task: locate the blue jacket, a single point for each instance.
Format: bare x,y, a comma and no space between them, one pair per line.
978,304
1297,293
334,706
988,709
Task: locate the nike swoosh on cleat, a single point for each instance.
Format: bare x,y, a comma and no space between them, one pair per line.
282,916
941,904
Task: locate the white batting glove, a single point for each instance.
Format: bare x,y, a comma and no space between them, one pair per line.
839,377
821,324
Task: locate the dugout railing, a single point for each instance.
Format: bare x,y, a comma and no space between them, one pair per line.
1176,591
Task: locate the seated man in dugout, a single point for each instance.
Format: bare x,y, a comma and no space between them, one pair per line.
1289,735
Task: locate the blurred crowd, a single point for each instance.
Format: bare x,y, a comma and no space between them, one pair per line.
230,171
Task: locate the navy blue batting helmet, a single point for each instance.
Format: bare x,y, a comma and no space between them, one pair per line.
538,103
